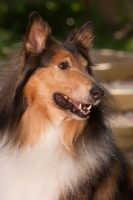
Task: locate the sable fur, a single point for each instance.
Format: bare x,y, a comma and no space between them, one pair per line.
48,153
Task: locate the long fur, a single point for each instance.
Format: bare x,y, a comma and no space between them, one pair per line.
49,153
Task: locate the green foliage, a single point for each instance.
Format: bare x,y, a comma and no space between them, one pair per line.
56,13
63,16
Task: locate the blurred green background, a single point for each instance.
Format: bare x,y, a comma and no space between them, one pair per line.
112,20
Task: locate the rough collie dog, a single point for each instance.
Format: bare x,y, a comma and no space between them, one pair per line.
56,143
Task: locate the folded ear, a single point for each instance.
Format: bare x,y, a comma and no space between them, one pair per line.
37,34
82,38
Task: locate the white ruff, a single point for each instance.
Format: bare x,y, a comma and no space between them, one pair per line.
43,171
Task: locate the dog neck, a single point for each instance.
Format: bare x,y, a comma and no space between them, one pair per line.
36,123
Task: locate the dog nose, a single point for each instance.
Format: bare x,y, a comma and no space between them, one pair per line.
96,92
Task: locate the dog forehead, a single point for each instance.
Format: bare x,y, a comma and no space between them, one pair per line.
55,56
75,53
65,55
59,52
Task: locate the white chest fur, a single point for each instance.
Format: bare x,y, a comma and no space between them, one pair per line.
43,171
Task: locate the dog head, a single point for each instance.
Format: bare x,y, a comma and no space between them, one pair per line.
52,82
62,78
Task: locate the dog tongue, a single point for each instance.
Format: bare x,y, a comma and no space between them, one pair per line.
75,104
84,107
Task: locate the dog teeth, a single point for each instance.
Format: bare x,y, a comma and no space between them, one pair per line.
65,97
89,108
79,107
88,111
85,112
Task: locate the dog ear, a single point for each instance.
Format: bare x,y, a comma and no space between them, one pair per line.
82,38
37,34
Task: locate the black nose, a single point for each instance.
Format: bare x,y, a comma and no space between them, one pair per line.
96,92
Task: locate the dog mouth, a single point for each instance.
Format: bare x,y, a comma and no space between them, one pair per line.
79,109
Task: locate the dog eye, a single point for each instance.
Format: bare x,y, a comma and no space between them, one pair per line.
63,65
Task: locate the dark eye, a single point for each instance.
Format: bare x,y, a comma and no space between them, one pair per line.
63,65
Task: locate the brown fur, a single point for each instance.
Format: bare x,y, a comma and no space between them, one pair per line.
36,94
28,109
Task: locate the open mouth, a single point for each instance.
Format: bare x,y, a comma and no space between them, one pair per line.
64,102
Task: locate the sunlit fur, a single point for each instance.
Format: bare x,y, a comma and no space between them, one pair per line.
46,152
